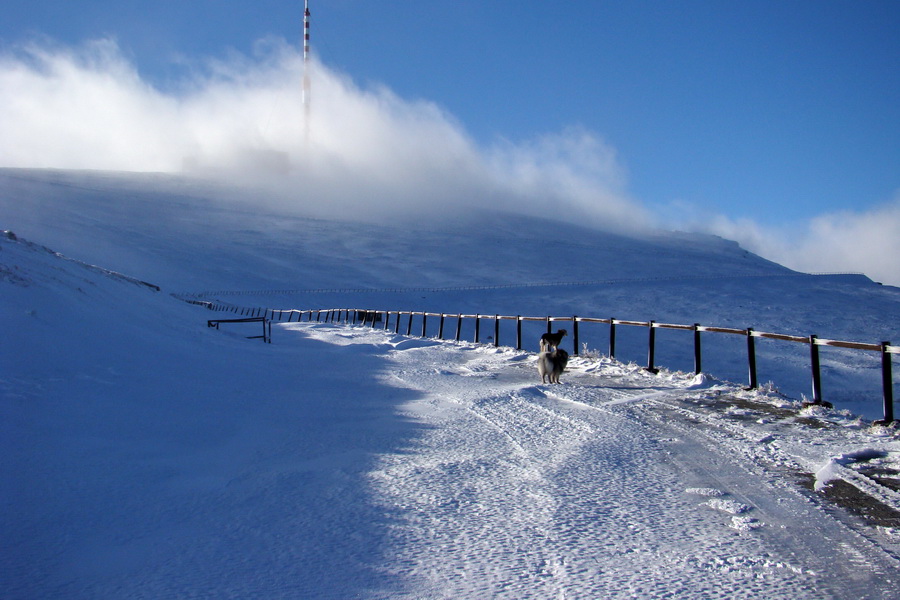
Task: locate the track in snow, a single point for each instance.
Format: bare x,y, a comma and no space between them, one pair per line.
594,488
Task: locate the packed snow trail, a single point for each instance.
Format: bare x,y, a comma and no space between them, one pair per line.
522,490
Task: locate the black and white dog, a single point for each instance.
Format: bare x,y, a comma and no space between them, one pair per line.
551,364
551,341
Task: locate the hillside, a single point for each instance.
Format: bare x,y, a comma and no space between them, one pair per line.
146,455
192,236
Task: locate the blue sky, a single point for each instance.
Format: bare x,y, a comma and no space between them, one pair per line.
772,112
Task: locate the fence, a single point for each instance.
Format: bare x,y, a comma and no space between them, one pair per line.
266,324
373,317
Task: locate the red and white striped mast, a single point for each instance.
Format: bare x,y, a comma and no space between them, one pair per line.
306,84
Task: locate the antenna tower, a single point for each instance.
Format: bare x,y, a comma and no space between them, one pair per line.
306,83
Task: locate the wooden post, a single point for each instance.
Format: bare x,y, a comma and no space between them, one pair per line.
575,335
518,332
751,359
887,381
652,351
397,324
441,328
698,366
477,329
816,371
612,338
409,324
387,319
496,330
458,325
424,323
549,326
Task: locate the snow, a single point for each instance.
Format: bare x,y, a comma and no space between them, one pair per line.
145,455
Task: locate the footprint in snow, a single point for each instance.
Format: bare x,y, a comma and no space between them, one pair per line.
725,505
711,492
744,524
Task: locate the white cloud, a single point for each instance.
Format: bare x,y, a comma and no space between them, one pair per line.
847,241
366,151
362,150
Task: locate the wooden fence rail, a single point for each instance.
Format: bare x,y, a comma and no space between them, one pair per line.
372,318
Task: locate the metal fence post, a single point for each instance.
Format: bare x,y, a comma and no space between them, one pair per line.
698,362
612,338
575,335
751,359
887,382
816,371
518,332
651,354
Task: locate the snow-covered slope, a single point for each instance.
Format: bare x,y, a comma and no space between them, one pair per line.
191,236
145,455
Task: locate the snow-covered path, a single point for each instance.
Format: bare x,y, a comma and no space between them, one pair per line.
595,488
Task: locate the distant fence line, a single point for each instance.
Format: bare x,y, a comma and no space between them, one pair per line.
465,288
373,317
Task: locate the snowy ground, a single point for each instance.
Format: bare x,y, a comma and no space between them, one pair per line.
617,483
144,455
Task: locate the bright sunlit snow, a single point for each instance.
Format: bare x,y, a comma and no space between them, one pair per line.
145,455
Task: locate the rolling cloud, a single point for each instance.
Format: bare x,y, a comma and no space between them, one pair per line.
364,150
848,241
